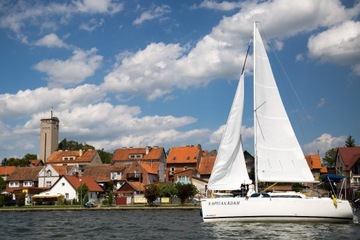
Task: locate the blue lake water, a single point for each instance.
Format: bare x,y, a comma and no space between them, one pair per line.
156,224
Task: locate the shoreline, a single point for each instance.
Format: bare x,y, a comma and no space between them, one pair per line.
105,208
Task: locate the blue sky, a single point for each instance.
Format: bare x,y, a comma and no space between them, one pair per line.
163,73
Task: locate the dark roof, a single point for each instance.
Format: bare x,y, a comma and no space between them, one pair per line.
349,155
102,173
25,174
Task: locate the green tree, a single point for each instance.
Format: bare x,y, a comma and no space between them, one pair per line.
105,156
82,192
2,184
110,198
330,157
73,145
19,162
185,191
167,190
30,156
350,142
151,193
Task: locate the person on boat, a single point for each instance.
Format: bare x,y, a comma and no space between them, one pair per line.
250,191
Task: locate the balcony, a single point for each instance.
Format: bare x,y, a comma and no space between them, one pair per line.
135,177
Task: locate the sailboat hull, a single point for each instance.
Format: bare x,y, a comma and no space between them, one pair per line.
261,209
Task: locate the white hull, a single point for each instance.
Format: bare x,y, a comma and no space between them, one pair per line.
261,209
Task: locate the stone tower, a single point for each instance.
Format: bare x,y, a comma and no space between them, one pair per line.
49,136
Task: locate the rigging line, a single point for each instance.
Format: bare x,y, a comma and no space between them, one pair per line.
247,53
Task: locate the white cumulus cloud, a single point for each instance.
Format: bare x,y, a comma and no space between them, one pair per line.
72,71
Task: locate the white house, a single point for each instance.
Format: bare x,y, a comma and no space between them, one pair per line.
50,174
67,186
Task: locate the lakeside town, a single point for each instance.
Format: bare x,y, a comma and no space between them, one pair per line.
73,177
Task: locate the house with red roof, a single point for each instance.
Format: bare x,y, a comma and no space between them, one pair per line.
206,164
36,162
106,173
5,171
50,174
81,158
348,164
314,163
182,158
136,176
24,180
67,186
155,157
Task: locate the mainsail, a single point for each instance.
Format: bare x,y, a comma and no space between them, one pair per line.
229,170
278,155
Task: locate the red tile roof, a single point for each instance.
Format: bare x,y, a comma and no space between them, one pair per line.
349,155
25,174
62,170
206,165
150,168
313,161
75,182
126,154
102,173
36,162
6,170
184,154
78,156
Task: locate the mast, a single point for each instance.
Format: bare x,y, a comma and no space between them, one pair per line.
255,120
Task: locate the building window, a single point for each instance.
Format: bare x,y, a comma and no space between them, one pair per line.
66,195
14,184
63,184
188,158
49,173
174,158
28,183
356,169
113,175
183,179
185,167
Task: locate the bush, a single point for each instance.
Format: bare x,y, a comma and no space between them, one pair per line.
185,191
151,193
110,199
20,201
2,200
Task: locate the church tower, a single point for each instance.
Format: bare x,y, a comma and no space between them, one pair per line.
49,136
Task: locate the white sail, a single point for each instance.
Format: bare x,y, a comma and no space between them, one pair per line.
279,157
229,170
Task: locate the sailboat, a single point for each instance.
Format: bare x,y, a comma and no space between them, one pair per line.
278,158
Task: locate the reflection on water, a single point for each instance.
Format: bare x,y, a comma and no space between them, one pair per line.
156,224
236,230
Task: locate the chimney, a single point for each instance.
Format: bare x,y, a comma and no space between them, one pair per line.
80,153
147,149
